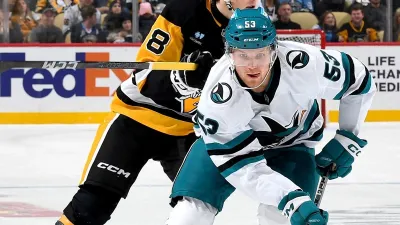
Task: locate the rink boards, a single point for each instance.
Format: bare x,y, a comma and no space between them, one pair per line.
83,96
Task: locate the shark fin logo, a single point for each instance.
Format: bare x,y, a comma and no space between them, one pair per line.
221,93
297,59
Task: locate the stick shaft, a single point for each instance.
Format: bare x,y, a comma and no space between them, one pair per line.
322,185
6,65
321,189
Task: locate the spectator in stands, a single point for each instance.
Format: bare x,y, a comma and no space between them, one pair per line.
22,15
329,5
154,3
327,23
115,37
31,4
357,30
299,5
375,15
284,22
88,31
47,32
396,5
158,9
73,16
14,31
396,26
102,5
271,8
58,5
146,18
115,17
126,31
363,2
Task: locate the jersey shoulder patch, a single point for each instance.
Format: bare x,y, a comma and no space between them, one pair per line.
297,55
297,59
221,93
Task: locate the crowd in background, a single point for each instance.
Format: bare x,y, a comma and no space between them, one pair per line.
110,21
78,21
360,20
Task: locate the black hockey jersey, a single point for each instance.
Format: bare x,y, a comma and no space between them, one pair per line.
160,99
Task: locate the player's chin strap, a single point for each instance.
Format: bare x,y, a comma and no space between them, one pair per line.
273,58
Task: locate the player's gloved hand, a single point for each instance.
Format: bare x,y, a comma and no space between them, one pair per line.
340,151
298,207
198,77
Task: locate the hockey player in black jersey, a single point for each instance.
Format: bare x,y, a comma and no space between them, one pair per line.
151,112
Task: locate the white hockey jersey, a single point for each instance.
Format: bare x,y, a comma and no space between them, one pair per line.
237,125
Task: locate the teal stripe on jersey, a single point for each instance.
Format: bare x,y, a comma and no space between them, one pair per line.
310,117
365,85
240,164
231,144
346,67
368,86
287,132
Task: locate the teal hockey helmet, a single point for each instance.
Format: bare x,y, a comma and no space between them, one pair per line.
250,29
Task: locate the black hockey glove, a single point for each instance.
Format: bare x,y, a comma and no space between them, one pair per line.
198,77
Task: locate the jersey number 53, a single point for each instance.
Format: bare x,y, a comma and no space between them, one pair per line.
332,71
208,125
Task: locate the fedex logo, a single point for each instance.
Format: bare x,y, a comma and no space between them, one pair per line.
66,82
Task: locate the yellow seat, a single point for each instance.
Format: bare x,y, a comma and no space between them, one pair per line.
305,19
59,20
103,16
68,38
341,18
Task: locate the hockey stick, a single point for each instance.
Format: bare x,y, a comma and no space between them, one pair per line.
6,65
322,186
321,189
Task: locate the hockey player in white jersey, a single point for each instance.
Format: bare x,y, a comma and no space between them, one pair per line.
259,122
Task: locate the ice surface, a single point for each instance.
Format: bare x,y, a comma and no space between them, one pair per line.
41,165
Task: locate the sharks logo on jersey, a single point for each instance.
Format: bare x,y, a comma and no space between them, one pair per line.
278,132
221,93
297,59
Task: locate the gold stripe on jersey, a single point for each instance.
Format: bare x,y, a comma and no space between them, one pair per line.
208,5
140,78
164,43
141,84
151,118
65,221
98,140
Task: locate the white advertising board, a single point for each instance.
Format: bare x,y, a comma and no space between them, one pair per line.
84,96
383,62
34,92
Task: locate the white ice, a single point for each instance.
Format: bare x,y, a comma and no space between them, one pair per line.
41,165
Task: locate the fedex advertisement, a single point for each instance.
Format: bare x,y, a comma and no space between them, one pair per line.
64,83
40,94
